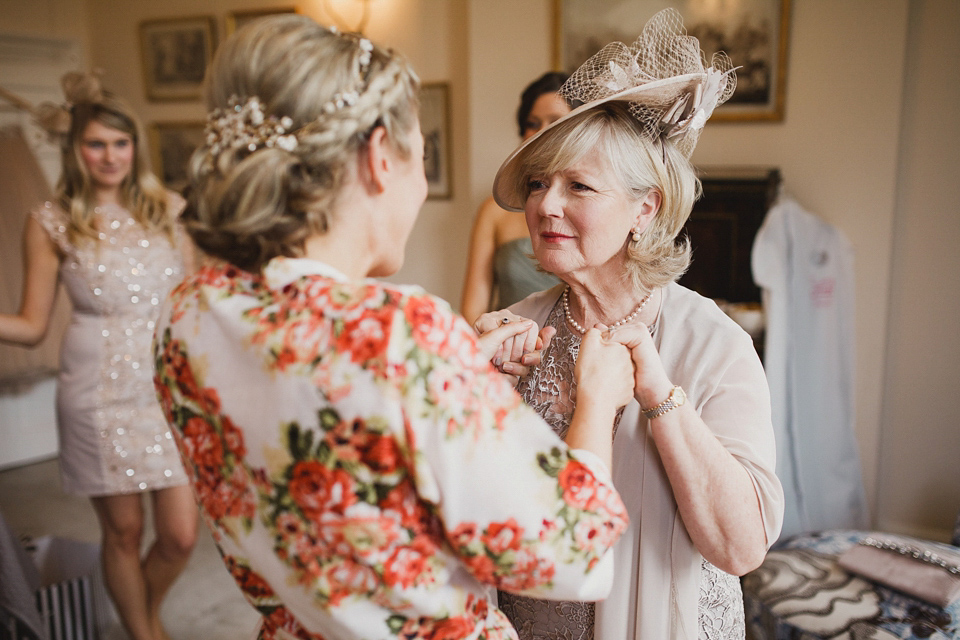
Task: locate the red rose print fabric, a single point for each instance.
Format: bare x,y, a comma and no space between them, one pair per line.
364,471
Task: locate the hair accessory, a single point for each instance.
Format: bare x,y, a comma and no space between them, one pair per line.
663,78
663,53
243,126
349,98
78,88
619,323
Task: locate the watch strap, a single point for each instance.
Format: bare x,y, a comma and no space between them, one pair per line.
676,398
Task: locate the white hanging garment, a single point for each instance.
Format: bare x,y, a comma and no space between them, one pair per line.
805,269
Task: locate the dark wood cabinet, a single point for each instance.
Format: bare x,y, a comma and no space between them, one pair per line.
722,228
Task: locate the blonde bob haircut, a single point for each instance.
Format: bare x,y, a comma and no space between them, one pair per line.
140,191
247,207
640,164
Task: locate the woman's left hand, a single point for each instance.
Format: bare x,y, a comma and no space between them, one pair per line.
651,383
715,495
511,342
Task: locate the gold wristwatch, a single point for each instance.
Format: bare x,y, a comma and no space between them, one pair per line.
676,399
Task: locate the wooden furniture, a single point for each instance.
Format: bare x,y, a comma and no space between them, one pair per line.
722,228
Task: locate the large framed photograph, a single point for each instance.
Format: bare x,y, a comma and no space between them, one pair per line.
435,125
754,33
237,19
175,54
171,145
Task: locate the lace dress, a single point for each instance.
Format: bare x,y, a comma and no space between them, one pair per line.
551,390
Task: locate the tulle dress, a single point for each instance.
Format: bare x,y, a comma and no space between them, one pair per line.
113,436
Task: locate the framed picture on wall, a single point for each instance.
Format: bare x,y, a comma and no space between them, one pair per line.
237,19
175,54
435,124
754,33
171,145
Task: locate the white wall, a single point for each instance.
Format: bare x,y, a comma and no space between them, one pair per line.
869,143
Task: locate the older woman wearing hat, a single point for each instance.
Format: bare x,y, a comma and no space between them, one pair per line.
606,191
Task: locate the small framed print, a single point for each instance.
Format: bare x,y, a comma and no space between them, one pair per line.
754,33
237,19
175,54
435,125
171,145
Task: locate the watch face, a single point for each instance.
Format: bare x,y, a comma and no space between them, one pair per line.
678,395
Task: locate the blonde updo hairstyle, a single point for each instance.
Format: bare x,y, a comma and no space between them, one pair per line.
247,207
140,192
640,164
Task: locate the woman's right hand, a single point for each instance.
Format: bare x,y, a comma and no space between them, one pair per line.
505,336
604,370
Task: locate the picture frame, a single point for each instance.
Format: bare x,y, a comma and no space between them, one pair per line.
175,53
171,145
237,19
755,35
435,125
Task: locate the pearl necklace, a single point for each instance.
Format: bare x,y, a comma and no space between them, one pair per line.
618,323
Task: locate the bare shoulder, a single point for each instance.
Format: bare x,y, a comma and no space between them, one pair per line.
502,224
490,212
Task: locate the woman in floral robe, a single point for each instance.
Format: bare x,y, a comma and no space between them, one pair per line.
366,473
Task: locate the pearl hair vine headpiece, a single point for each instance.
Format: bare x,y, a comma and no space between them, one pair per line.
244,126
349,98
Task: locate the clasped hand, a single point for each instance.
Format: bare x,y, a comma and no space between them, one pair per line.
512,343
515,345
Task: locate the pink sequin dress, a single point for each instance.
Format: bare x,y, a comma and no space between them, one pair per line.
113,436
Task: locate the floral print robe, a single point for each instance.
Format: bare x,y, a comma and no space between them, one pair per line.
364,470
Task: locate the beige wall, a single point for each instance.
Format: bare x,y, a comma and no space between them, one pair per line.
868,143
920,423
48,18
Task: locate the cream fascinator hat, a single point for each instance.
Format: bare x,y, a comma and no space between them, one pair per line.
663,77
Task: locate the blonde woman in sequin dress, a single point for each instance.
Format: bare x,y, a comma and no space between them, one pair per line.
109,236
